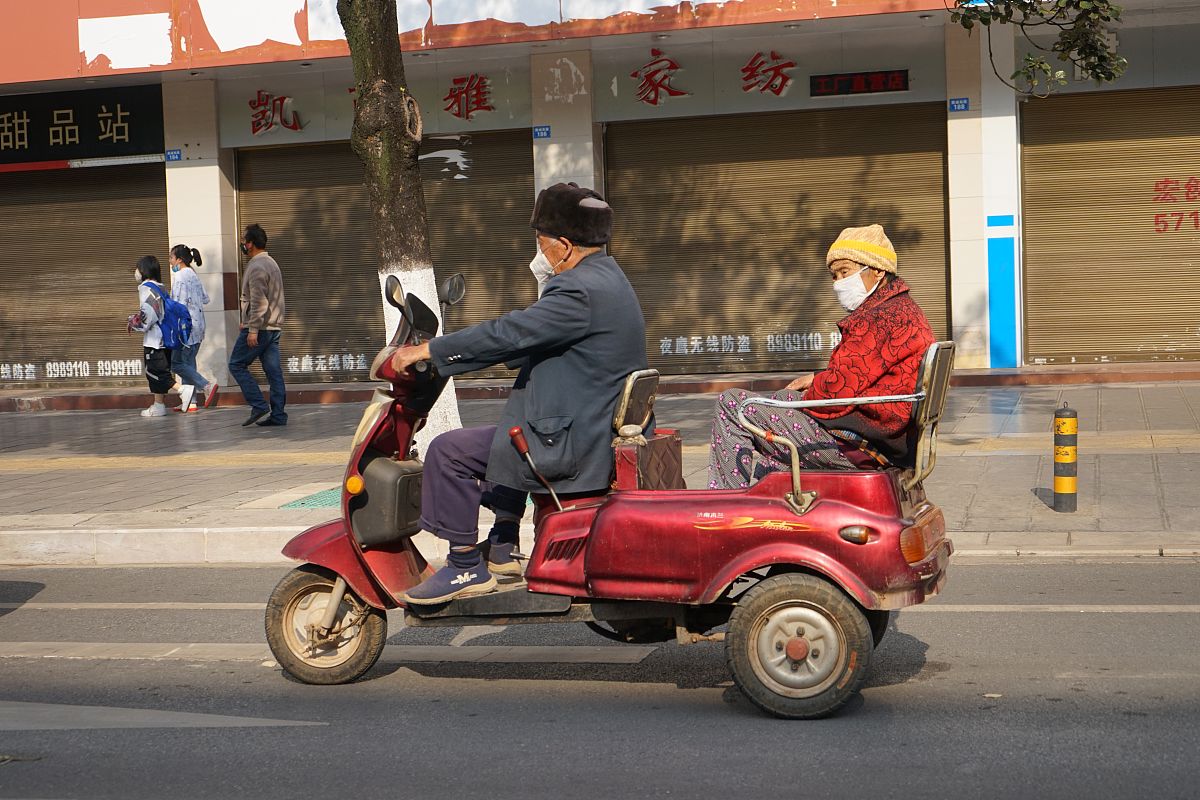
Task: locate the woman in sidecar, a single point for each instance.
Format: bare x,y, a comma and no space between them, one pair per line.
884,338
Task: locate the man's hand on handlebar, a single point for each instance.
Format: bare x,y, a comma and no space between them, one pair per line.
405,357
801,383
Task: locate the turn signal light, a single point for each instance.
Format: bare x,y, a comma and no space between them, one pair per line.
355,485
912,545
856,534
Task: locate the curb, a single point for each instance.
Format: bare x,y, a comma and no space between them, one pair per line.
262,545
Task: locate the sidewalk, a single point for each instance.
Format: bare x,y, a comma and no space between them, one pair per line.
110,487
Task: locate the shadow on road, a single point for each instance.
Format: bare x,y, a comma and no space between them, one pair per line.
17,593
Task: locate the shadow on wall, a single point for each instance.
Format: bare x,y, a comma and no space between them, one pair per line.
727,236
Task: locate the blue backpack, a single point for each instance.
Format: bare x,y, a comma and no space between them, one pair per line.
176,324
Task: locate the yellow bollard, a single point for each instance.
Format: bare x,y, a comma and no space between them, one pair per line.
1066,457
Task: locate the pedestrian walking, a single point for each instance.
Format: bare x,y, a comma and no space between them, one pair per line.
146,320
262,306
186,288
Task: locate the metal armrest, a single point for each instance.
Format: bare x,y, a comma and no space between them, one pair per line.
799,500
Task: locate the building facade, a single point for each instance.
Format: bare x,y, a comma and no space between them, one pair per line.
734,140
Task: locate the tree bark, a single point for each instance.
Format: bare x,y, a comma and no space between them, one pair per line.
386,137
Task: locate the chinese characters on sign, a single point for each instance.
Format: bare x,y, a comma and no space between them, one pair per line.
334,362
695,345
892,80
767,75
1174,190
654,79
14,131
468,95
269,111
96,123
125,368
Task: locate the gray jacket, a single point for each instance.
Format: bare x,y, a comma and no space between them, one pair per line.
575,346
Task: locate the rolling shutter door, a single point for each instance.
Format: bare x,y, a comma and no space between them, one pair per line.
313,204
1106,277
69,240
722,225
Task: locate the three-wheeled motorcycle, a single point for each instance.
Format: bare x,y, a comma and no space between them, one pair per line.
801,571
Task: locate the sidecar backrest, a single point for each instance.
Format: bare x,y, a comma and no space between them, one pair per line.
933,380
636,405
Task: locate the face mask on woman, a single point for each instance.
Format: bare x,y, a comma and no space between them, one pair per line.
851,292
175,267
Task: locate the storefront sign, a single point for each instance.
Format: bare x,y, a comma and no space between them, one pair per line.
767,73
269,111
1177,190
654,79
892,80
468,95
98,123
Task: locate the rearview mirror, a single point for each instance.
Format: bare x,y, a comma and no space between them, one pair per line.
452,290
393,292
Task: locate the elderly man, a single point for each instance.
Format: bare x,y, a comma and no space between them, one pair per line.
575,346
883,340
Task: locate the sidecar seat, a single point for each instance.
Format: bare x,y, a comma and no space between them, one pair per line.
653,461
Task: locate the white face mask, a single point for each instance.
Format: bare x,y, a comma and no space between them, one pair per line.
851,291
542,269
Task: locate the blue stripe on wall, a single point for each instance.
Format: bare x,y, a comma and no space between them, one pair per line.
1001,220
1002,299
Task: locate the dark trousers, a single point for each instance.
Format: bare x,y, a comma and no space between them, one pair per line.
267,354
452,484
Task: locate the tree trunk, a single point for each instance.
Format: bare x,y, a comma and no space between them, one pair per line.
387,137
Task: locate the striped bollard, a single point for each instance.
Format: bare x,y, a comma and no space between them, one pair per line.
1066,456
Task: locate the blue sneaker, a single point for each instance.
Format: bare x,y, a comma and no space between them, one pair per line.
500,560
450,582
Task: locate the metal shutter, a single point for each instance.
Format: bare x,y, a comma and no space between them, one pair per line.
722,225
69,240
314,207
1101,283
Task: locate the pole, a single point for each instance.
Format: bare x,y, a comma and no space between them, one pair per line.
1066,457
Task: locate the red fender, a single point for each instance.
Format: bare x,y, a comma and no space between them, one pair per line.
768,555
331,546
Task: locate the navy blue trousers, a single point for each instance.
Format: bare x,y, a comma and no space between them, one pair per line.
453,486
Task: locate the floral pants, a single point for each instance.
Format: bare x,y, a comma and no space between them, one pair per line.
731,458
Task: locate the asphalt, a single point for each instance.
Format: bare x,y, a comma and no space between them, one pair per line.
109,487
1033,678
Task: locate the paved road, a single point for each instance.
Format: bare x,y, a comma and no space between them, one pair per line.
1023,680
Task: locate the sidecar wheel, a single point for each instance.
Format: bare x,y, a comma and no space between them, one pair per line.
798,647
299,601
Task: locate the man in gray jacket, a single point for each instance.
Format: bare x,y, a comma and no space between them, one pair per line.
575,346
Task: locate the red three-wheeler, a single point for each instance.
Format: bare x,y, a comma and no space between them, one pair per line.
797,574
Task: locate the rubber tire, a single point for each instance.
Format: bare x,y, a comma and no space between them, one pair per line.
879,621
371,637
828,600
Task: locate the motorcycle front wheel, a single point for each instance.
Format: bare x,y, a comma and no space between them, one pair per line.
295,611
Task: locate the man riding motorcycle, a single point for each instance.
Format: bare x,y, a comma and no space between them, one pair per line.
574,347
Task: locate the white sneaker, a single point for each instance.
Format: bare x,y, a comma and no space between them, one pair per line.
155,410
186,393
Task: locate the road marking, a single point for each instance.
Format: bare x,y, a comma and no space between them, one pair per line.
17,716
136,607
393,654
955,608
215,459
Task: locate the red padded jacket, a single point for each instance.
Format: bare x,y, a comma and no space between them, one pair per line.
883,341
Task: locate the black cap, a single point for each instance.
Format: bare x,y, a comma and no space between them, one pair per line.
574,213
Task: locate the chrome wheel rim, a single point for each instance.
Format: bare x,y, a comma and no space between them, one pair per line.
797,649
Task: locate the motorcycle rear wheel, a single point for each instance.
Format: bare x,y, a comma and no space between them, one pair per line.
297,604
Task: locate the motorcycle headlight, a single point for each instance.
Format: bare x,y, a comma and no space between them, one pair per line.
380,403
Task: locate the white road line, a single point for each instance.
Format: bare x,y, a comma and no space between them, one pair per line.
395,654
471,631
955,608
18,716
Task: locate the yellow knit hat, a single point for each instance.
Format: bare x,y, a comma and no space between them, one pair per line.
868,246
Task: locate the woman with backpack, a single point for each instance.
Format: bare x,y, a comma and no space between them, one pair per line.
186,288
147,319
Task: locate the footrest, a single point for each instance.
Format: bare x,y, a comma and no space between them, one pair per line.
512,603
